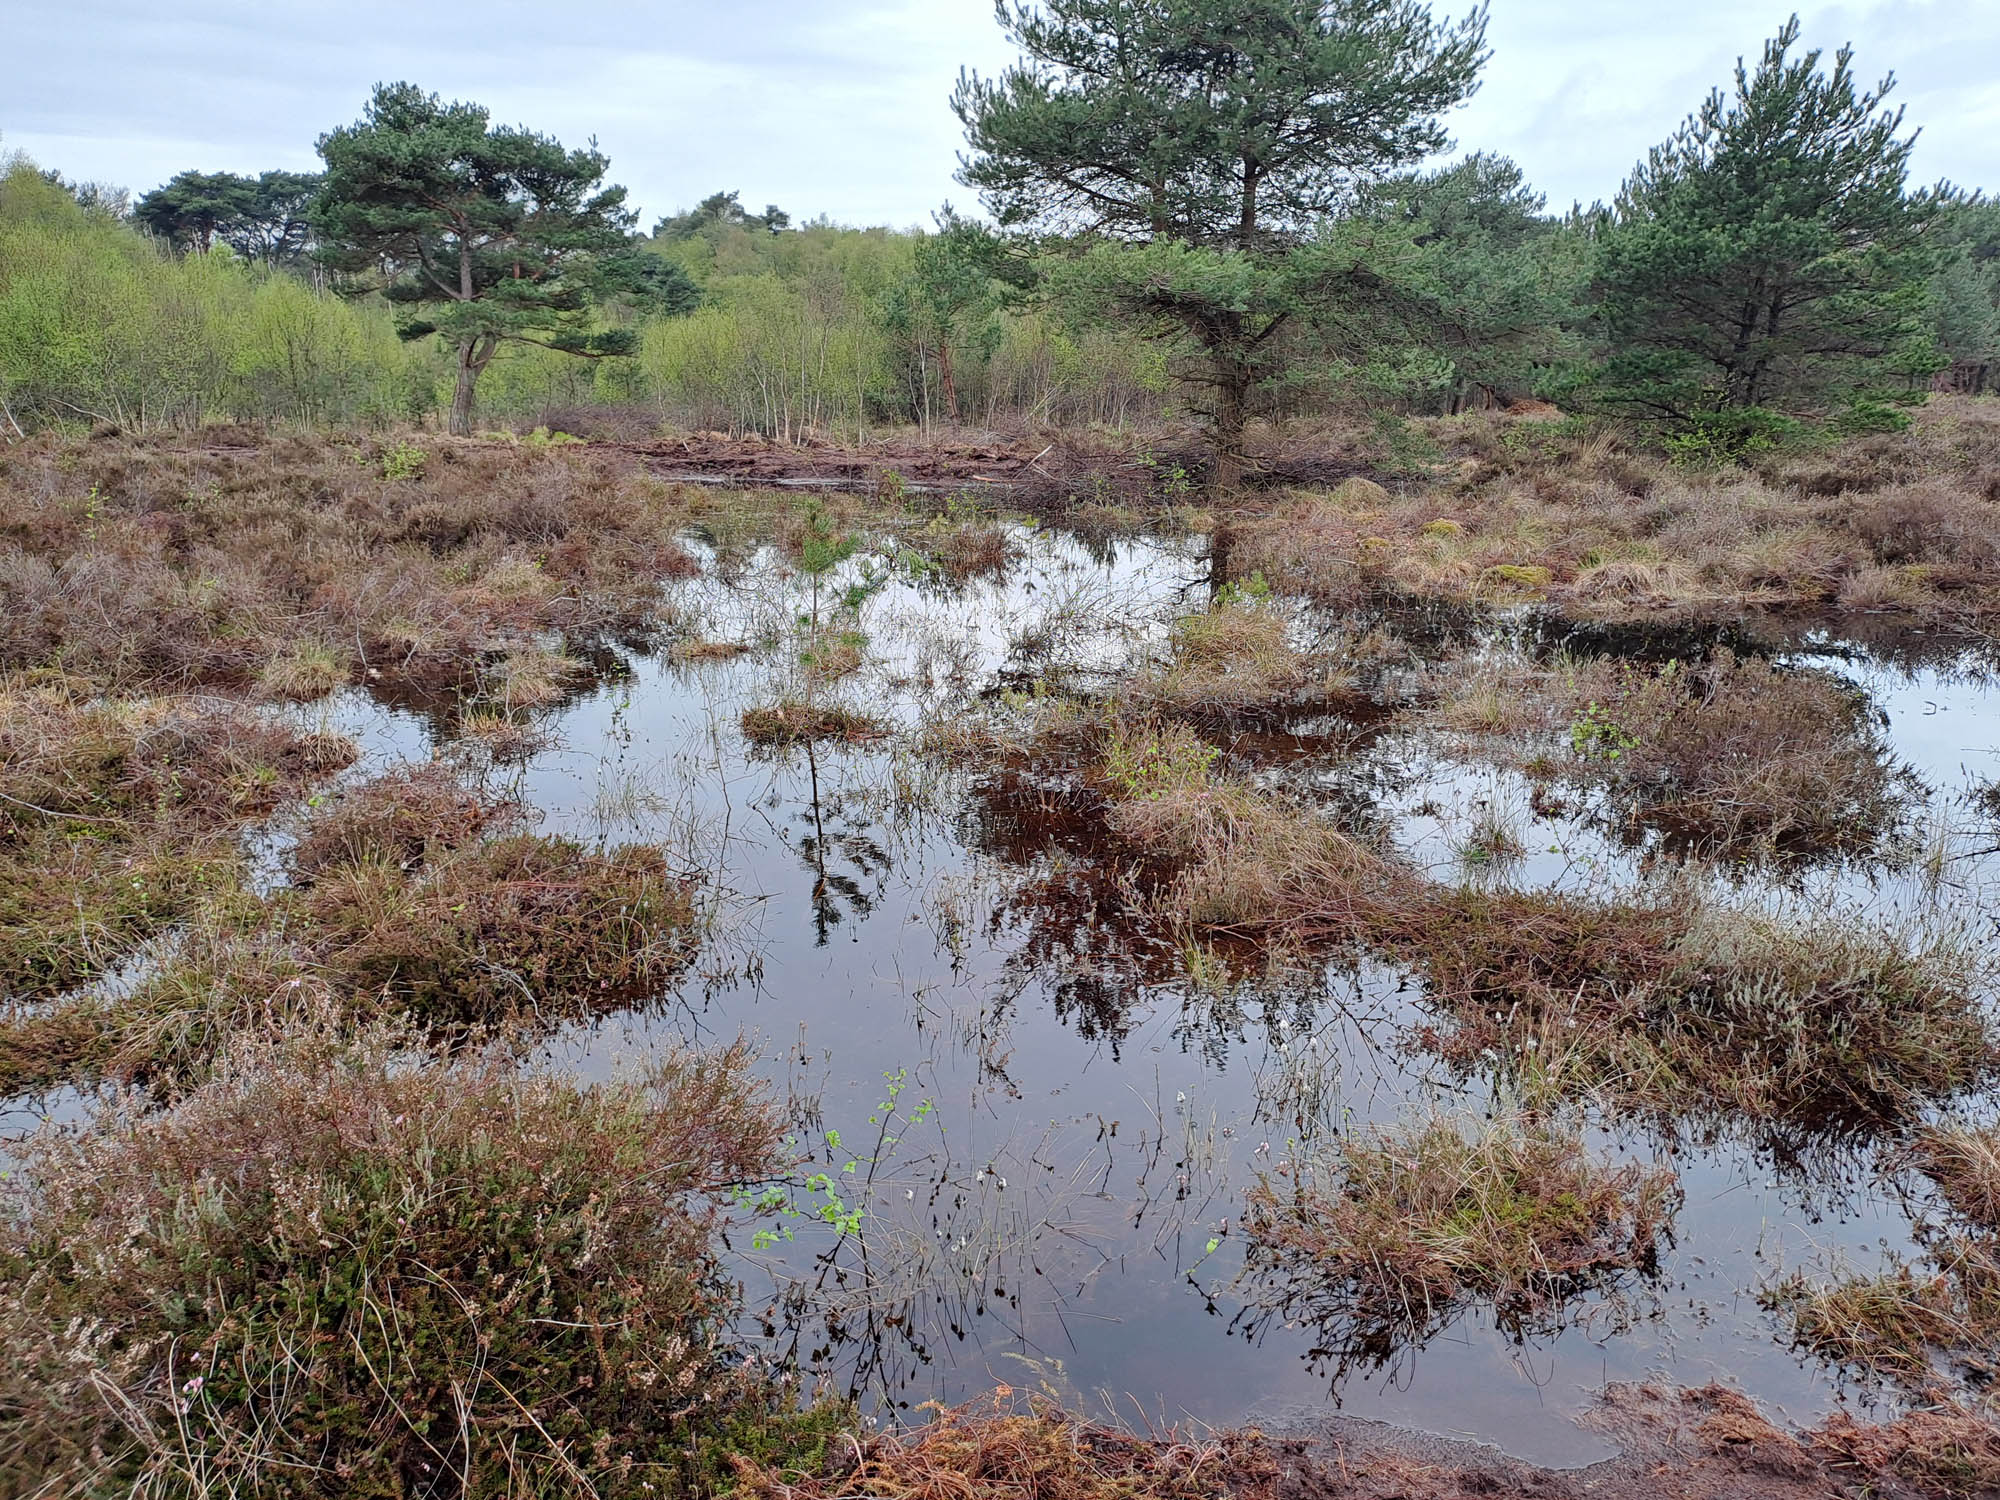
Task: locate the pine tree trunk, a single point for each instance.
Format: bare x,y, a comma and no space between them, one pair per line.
945,381
469,366
1232,413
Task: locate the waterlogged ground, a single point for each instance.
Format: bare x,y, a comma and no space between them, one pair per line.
1037,1120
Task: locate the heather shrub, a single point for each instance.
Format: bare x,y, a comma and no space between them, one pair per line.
330,1272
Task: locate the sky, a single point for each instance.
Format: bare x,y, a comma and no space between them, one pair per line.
839,107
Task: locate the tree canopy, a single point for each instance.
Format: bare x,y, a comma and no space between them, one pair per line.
721,209
1215,122
1218,134
1768,254
260,218
483,234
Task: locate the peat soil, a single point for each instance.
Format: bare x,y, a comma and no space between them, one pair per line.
1018,470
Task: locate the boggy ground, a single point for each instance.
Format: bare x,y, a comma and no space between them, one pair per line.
1705,1444
329,1233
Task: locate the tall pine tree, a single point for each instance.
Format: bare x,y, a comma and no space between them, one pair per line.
485,234
1211,137
1768,256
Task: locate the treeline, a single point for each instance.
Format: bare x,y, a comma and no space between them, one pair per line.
100,322
1248,241
818,328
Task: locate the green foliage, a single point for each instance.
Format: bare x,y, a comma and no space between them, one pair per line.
1152,762
721,210
1504,284
1966,288
260,218
484,234
1713,439
98,324
1768,255
1595,735
1207,121
1203,141
405,460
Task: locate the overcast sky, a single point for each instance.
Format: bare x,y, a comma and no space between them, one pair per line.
839,106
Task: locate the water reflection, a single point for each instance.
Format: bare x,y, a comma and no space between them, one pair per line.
1102,1092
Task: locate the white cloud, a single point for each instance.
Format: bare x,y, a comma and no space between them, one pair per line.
839,106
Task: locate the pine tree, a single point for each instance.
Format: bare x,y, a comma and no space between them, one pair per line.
1768,256
1214,135
484,234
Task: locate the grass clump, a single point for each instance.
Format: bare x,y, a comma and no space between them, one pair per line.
328,1272
1588,521
1738,751
403,819
1233,657
1731,756
521,925
411,899
1005,1448
1839,1024
961,550
792,721
1964,1162
1889,1325
292,565
1226,855
1921,1316
118,818
1680,1009
1403,1227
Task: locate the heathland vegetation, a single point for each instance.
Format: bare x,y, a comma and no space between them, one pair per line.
1177,543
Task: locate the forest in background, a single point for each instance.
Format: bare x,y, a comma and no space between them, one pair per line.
208,299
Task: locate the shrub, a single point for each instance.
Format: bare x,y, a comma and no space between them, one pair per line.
403,819
330,1273
1929,523
117,818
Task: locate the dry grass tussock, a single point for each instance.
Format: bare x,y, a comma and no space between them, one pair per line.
327,1273
1683,1010
1727,756
1027,1447
961,550
118,818
1569,512
796,721
1239,858
1964,1162
1400,1228
411,899
1235,657
1919,1317
1678,1006
299,564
